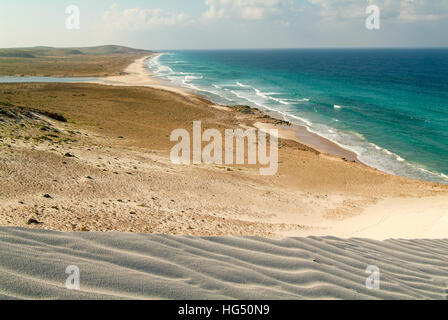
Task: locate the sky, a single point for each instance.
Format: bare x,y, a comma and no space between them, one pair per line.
224,24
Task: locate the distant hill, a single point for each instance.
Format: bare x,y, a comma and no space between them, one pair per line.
74,52
50,51
16,54
98,61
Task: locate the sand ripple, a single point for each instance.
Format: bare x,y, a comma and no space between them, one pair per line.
122,265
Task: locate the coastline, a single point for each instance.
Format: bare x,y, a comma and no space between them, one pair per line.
328,149
348,145
137,74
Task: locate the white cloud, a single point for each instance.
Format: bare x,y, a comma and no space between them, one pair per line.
400,10
333,11
247,9
423,10
137,18
283,12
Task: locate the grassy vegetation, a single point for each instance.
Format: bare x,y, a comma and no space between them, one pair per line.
67,62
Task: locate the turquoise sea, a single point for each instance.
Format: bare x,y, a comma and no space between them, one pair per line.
390,106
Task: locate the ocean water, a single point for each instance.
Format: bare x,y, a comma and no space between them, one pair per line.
390,106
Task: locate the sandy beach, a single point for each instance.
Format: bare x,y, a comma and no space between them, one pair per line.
107,169
136,74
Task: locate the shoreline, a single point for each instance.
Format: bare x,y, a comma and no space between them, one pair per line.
295,132
302,134
139,75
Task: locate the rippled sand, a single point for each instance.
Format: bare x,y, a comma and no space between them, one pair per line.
123,265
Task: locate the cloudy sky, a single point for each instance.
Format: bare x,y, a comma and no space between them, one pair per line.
215,24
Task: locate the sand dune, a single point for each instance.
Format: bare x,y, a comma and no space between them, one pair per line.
123,265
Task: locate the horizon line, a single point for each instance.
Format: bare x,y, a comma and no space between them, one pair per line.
234,48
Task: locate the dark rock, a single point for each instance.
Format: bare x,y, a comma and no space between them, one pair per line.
33,221
54,116
244,109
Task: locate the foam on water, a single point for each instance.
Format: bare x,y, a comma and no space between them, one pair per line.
242,85
272,99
